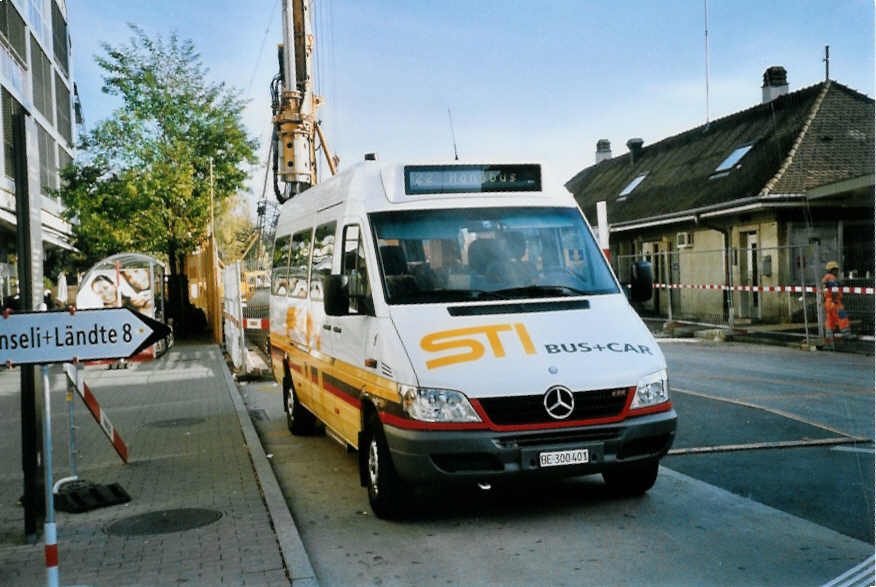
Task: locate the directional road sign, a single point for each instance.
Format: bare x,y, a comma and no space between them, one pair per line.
87,335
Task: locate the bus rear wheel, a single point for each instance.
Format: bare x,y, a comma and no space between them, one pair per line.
298,419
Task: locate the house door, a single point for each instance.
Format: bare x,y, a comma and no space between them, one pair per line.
749,306
651,253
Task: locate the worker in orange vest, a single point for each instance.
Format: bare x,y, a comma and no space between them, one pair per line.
837,319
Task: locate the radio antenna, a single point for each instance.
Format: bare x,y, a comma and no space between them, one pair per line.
706,19
453,136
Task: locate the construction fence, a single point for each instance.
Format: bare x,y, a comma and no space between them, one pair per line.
203,270
768,289
232,314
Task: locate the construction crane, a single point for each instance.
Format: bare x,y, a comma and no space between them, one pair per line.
294,106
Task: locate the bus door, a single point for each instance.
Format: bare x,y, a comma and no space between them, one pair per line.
352,340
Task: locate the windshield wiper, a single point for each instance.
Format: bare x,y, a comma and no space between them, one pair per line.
445,295
545,291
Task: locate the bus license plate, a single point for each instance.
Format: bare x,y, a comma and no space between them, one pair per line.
562,458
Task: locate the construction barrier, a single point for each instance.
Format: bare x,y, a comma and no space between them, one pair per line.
202,268
100,416
257,323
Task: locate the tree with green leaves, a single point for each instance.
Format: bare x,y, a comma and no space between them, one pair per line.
142,180
235,229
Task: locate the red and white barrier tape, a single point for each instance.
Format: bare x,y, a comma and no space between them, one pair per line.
99,415
767,288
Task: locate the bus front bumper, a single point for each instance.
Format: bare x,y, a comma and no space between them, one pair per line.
484,455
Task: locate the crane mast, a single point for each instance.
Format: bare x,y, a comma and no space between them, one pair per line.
294,105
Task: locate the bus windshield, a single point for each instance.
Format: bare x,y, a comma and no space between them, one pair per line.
488,253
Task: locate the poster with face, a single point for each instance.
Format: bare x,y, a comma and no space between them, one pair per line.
125,288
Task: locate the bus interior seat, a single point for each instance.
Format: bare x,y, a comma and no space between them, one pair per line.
399,283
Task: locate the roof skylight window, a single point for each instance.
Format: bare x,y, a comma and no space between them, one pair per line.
632,185
734,157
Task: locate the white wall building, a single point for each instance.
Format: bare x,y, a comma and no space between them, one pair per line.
36,75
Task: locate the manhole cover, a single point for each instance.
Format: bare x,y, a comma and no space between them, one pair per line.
176,422
164,522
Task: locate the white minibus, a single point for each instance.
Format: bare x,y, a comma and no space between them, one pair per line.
455,323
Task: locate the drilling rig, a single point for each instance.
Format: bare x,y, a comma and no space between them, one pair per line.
294,106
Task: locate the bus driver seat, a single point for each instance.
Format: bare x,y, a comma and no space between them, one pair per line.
399,283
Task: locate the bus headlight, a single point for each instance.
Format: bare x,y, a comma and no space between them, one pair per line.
429,404
652,389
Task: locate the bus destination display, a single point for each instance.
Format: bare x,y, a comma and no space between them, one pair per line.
454,179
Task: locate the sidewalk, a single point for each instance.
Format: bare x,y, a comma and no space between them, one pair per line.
768,334
192,447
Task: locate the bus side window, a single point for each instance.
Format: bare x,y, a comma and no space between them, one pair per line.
299,262
280,266
321,262
353,266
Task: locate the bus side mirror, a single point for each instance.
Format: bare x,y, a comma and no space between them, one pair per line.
336,298
641,281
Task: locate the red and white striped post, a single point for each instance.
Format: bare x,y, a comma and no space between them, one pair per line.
51,536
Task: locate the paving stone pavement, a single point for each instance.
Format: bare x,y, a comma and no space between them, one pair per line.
187,448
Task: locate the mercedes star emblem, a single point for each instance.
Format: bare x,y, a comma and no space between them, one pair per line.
559,402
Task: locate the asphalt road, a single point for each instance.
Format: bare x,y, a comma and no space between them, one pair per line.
779,404
750,498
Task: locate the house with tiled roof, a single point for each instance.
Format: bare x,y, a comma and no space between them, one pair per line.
760,198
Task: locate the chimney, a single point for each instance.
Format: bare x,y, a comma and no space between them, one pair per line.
635,147
775,83
603,150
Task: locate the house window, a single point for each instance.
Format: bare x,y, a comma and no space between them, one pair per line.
59,37
734,157
41,74
12,27
62,104
632,185
48,162
10,107
64,159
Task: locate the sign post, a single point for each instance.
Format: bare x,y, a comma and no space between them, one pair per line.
27,217
41,338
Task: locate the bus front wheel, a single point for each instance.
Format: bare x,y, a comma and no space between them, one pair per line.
387,493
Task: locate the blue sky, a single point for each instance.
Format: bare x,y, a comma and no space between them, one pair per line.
525,81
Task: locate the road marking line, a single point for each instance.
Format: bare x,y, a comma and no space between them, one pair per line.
759,446
813,395
772,411
846,577
772,380
863,579
853,449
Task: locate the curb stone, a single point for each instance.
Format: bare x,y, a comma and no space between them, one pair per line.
291,547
